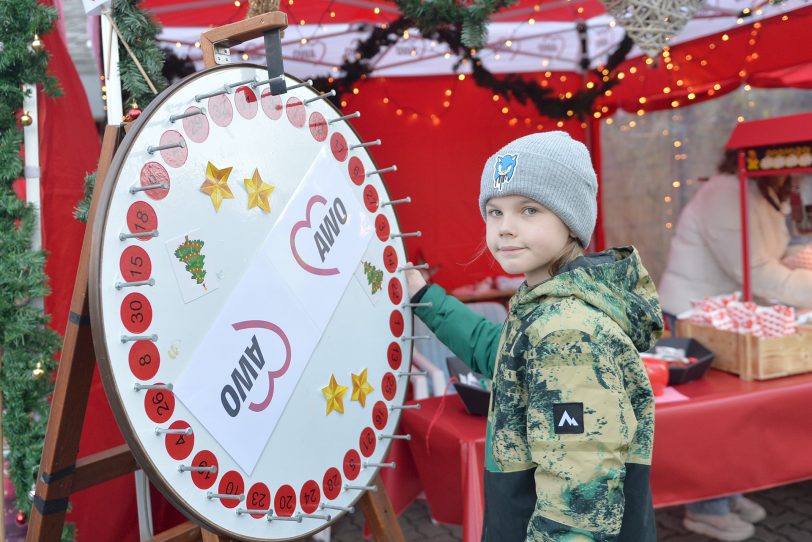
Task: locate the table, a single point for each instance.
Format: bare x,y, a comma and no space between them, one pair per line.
729,436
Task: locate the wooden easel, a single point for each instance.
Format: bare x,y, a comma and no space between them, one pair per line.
61,473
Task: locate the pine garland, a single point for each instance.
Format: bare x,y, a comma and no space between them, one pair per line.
140,31
28,345
471,19
436,21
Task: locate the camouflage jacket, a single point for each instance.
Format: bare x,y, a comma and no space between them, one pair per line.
571,423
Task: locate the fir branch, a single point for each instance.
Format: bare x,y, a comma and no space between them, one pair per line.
26,340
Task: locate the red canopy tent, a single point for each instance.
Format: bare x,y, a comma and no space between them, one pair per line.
450,125
439,128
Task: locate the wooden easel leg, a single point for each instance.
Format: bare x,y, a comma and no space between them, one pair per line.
381,519
209,536
74,375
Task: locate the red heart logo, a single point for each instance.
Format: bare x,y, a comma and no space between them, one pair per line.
272,375
306,224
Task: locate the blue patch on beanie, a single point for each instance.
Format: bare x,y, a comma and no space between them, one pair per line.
504,169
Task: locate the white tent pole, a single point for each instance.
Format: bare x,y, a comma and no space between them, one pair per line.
112,77
32,175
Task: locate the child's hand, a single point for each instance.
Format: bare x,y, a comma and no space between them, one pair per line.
414,280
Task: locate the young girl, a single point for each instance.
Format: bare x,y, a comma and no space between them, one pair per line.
571,422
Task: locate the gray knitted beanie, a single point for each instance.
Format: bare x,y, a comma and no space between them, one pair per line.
550,168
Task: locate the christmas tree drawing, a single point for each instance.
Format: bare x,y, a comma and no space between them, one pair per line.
374,276
188,253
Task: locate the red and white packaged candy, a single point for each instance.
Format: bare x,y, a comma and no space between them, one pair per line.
802,259
728,313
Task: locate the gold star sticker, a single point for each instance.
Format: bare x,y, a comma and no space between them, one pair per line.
334,393
258,192
361,388
216,185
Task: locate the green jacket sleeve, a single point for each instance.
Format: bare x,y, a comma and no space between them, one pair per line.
473,338
579,426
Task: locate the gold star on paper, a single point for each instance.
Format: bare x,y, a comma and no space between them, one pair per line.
361,388
258,192
216,185
334,393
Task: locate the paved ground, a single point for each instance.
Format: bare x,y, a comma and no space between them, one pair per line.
789,520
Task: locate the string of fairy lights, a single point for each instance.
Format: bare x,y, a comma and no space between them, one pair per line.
669,59
679,143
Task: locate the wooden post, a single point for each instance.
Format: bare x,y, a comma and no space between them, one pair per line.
74,374
381,519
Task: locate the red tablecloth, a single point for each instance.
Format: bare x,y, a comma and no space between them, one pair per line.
730,436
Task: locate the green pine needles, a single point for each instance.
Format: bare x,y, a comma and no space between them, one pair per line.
140,31
26,343
471,16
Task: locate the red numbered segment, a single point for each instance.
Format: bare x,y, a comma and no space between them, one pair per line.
284,502
389,386
382,227
390,259
154,173
271,105
394,354
258,498
395,291
135,264
196,126
159,405
141,218
220,111
246,102
179,446
371,198
352,465
231,484
339,146
331,483
204,479
367,441
296,112
144,360
318,127
396,323
380,415
357,171
310,496
136,313
176,155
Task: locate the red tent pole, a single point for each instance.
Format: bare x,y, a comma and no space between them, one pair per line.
745,229
592,136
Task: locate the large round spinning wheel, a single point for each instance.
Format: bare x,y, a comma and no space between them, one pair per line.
247,301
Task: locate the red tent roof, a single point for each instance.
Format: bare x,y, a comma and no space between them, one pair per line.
774,131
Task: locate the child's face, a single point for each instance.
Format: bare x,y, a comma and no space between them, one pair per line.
524,236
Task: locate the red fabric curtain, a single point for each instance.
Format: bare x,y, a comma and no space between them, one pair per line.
69,147
440,152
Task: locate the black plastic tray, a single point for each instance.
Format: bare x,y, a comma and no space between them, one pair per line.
679,373
476,400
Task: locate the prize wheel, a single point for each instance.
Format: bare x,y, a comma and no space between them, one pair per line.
247,304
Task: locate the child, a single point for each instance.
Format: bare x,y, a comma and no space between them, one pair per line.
571,422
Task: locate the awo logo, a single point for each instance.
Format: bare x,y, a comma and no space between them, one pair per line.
247,370
321,237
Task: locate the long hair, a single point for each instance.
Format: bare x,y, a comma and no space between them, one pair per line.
729,163
571,251
781,186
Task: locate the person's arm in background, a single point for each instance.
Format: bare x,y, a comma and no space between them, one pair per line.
769,278
473,338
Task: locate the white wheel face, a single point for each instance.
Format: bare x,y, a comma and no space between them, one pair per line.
262,283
